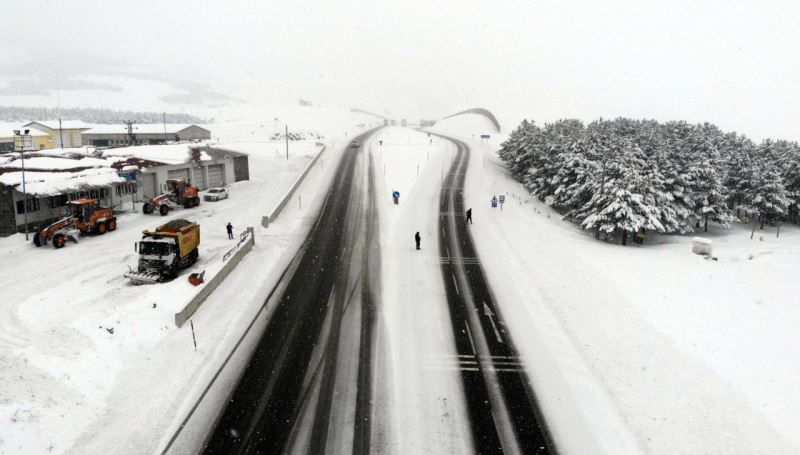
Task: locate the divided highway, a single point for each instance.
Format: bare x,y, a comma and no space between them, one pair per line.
502,406
308,385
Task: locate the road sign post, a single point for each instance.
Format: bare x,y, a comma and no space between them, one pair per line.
494,202
396,197
502,201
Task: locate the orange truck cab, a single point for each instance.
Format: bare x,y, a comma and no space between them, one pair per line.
85,217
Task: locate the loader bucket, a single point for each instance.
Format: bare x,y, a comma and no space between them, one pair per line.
143,278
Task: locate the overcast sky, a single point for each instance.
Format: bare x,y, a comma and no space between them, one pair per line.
733,63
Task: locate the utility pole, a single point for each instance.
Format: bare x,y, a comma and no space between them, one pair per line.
164,120
286,134
61,133
23,142
129,125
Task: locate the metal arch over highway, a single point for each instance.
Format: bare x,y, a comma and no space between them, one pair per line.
480,111
362,111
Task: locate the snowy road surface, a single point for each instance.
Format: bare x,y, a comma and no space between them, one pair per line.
325,378
308,385
502,406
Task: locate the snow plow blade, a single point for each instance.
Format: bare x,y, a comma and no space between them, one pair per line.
143,278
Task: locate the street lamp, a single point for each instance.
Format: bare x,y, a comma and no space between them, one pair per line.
23,143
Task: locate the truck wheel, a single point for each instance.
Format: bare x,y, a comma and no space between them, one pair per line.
112,225
196,200
193,256
59,240
147,208
37,240
163,210
100,228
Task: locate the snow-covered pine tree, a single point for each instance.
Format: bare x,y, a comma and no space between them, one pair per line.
625,202
512,151
737,154
577,178
673,165
791,180
767,193
706,195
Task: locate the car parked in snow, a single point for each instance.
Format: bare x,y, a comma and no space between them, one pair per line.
355,144
215,194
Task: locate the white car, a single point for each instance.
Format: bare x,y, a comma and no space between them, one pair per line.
215,194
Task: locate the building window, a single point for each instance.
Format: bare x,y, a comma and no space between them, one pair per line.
31,205
58,201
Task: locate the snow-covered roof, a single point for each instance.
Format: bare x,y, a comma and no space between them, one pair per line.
67,151
144,128
167,154
54,183
56,164
7,129
65,124
58,171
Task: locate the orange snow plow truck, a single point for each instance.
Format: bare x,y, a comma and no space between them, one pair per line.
86,217
165,251
181,194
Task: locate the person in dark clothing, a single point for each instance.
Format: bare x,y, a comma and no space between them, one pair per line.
417,239
469,215
229,227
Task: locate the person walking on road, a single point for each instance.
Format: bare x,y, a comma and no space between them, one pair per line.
417,239
469,215
229,227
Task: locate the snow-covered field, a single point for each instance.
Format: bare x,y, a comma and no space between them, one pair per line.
90,363
644,349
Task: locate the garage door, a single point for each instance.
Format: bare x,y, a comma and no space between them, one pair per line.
216,175
149,189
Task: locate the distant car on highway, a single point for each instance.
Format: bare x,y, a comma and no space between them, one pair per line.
355,144
215,194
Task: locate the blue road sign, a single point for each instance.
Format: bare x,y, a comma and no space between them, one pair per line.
396,194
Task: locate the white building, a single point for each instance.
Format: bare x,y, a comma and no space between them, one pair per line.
142,134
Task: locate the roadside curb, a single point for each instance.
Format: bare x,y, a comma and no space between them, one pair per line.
272,216
244,246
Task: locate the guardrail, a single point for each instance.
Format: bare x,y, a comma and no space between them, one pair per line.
231,259
285,199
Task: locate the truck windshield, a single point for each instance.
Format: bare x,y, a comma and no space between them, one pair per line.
158,248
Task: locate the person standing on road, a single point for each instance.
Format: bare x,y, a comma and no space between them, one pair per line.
417,239
469,215
229,227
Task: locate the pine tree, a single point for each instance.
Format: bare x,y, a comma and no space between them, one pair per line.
767,194
707,195
625,203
